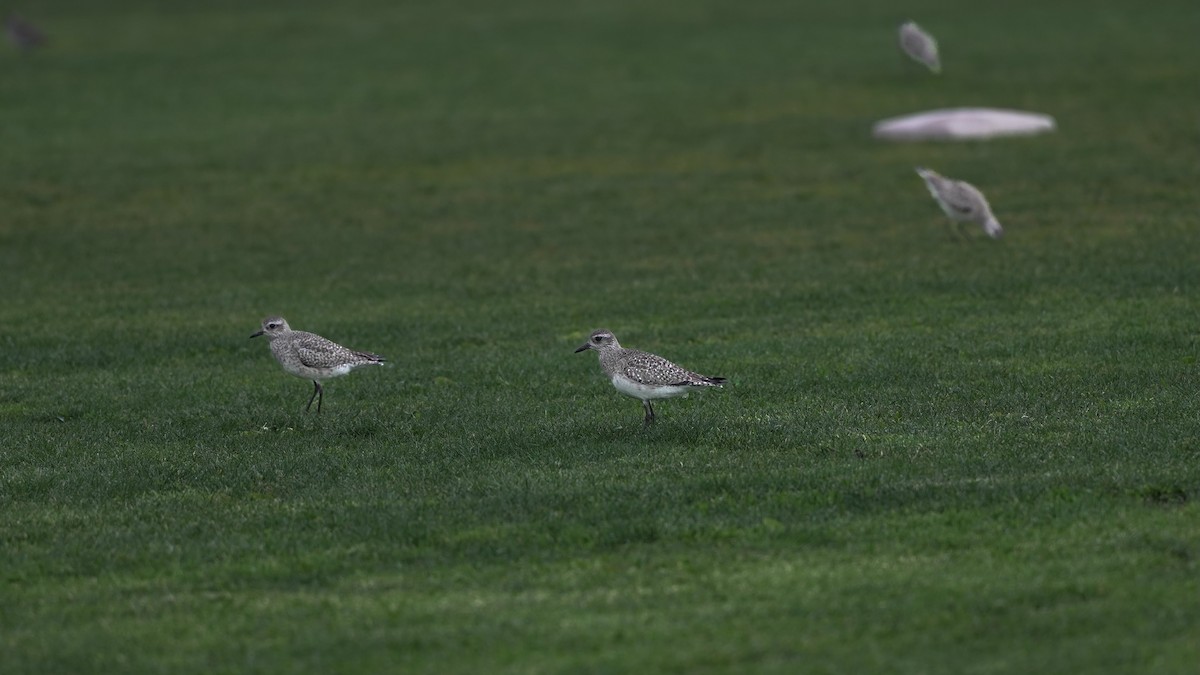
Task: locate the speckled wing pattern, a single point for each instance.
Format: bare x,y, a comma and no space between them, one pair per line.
317,352
958,199
963,198
646,368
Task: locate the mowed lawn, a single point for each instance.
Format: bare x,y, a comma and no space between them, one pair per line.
933,456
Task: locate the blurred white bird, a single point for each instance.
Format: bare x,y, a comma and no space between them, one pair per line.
961,201
24,35
920,46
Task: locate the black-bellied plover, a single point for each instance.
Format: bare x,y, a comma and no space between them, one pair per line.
24,35
961,201
643,375
311,356
920,46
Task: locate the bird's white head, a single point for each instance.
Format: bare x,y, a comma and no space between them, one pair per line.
600,340
273,327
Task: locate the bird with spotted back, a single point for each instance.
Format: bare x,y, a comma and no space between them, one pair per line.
961,202
920,46
643,375
311,356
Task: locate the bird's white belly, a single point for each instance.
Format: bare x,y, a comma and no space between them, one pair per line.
294,367
339,370
647,391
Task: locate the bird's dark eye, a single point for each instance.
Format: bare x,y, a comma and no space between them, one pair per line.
596,338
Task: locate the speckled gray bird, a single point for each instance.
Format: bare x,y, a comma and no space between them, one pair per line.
961,201
642,375
920,46
311,356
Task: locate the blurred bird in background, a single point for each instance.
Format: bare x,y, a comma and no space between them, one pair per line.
23,35
961,202
920,46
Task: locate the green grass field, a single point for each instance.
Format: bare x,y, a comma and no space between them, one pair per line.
934,456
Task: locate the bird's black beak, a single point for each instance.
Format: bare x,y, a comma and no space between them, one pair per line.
583,347
257,334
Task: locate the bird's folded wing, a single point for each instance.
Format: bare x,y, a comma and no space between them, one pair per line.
318,353
651,369
962,197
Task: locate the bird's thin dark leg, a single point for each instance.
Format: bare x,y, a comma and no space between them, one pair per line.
316,392
649,412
